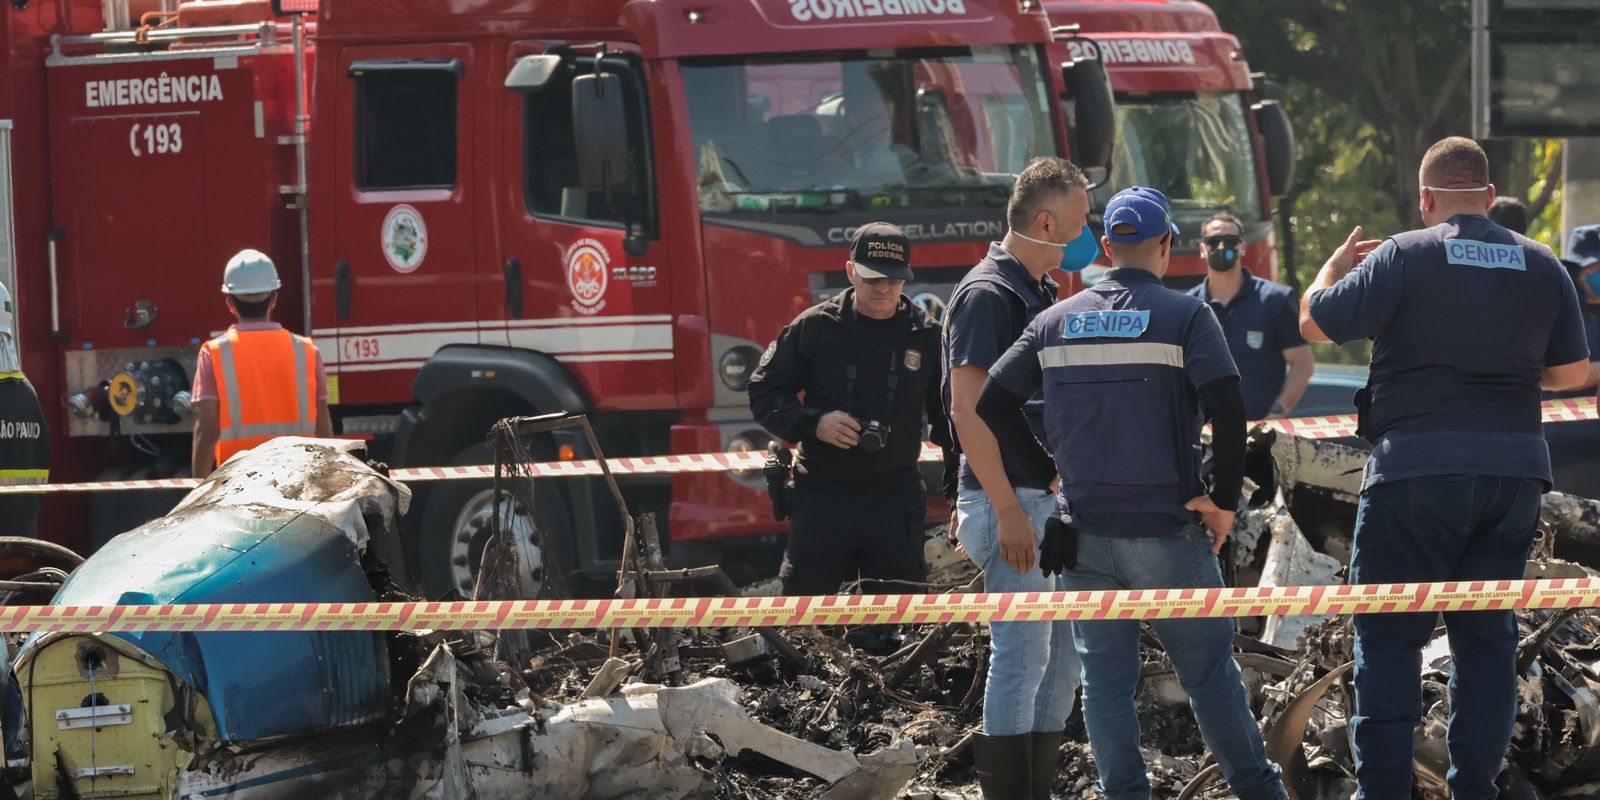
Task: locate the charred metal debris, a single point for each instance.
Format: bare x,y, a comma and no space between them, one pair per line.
847,712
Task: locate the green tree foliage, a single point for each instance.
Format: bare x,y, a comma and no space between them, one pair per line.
1369,85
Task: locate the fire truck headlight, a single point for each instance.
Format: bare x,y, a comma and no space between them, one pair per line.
735,367
745,442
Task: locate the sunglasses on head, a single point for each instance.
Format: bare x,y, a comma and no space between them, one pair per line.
1223,241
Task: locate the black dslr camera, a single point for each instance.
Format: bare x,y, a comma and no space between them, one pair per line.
874,435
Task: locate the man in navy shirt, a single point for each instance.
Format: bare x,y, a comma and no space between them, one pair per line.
1260,319
1468,321
1000,510
1124,367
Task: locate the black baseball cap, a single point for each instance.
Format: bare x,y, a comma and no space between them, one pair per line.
881,250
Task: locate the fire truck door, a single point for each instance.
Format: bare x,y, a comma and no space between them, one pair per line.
591,260
405,280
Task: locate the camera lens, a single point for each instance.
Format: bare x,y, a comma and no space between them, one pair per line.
873,437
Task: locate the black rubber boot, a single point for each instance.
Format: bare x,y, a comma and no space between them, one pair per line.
1003,764
1046,748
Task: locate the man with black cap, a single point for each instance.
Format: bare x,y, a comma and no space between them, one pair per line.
850,380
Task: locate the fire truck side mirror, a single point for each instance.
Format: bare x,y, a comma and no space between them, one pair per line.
1277,136
532,73
1093,121
600,122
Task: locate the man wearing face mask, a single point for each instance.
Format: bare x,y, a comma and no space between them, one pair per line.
1000,509
867,363
1261,320
1582,260
24,434
1468,321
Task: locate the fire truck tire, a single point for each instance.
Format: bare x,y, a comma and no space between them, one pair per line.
457,524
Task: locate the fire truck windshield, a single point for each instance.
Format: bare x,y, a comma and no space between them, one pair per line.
1196,149
923,129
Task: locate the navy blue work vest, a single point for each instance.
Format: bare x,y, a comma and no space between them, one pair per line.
1121,417
1438,366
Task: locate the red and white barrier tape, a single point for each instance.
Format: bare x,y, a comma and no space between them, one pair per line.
719,612
1335,427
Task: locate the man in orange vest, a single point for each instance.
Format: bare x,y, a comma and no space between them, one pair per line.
257,381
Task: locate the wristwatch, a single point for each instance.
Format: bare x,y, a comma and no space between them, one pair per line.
1277,408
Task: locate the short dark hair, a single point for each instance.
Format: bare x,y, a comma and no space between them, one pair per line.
1044,177
1455,162
1510,213
253,310
1224,217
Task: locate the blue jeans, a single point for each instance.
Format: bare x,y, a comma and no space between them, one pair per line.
1033,668
1438,528
1201,651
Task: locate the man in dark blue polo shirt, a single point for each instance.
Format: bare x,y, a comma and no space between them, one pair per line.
1000,510
1468,321
1260,319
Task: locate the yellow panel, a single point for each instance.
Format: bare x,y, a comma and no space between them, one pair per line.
75,672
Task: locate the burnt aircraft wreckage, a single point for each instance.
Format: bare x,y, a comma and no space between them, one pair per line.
677,714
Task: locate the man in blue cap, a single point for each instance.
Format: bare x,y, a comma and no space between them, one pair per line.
1582,260
1468,321
1124,367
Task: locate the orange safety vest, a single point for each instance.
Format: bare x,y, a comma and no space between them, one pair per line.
264,387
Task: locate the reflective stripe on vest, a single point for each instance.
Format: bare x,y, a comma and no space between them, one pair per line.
13,477
1102,355
244,406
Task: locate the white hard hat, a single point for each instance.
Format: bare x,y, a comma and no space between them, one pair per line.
249,275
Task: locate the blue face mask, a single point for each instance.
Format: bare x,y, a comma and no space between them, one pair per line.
1593,280
1080,252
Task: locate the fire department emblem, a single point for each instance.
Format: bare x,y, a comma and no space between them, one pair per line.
405,238
588,272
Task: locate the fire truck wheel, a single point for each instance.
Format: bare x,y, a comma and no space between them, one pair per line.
458,522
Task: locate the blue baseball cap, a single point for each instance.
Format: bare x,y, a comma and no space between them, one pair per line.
1147,210
1583,247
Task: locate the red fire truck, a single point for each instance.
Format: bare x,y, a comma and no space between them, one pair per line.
1190,120
488,208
